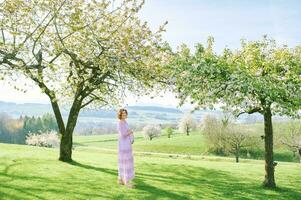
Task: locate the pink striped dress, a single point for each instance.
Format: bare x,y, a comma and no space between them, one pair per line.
125,155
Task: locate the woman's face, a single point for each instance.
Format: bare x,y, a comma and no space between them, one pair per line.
123,115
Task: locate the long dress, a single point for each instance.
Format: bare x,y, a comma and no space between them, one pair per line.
125,155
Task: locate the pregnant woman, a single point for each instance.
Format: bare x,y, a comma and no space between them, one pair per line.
125,155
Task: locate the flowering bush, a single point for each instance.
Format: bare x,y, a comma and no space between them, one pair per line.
151,131
187,124
47,139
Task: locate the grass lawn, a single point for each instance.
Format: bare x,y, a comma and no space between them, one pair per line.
35,173
193,144
178,143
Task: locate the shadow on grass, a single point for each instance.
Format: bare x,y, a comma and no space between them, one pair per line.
35,187
153,181
155,192
198,182
99,169
209,184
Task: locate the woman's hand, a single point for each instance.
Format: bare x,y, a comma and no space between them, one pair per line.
130,132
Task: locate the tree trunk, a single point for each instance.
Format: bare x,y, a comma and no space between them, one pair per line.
187,130
58,117
237,153
269,180
55,106
237,159
299,150
66,147
67,138
66,132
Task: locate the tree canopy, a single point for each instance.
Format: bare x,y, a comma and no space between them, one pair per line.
258,74
81,52
260,77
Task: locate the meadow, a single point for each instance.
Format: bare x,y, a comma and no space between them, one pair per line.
166,168
82,60
193,145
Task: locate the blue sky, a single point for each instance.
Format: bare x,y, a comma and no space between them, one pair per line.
192,21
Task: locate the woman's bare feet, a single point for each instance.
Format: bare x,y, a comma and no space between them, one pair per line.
120,182
130,185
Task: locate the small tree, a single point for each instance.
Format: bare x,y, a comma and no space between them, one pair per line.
169,131
187,124
151,131
212,129
227,118
11,129
293,139
223,136
48,139
236,138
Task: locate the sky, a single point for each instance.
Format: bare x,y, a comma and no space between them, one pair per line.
192,21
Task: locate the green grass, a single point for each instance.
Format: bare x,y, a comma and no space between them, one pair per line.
35,173
178,143
194,144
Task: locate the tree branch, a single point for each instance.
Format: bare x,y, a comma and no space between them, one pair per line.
290,145
40,24
95,97
3,36
251,111
81,28
55,57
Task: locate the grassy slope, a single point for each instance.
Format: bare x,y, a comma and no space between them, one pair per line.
178,143
35,173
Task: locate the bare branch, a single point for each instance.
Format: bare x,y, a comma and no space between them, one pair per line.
293,146
55,57
86,104
3,36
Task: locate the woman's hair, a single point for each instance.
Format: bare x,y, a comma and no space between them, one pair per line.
120,112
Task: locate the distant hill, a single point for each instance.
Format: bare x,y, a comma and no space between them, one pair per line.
37,109
15,109
155,108
138,113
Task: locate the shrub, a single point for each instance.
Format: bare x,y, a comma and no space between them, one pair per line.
169,131
187,124
213,132
293,140
151,131
47,139
224,137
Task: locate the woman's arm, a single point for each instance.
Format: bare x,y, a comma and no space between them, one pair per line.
130,131
123,129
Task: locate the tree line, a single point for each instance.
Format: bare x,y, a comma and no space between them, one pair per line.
15,131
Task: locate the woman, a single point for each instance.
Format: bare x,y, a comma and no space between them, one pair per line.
125,156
